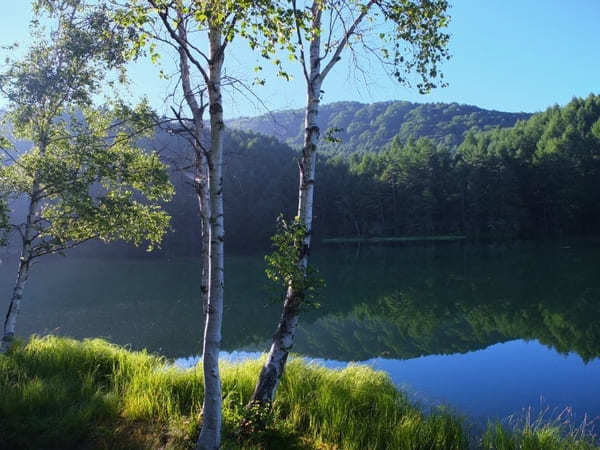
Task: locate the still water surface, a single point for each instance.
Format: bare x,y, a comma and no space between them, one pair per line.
489,331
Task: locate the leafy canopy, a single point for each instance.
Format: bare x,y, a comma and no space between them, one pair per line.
417,42
406,37
263,24
84,173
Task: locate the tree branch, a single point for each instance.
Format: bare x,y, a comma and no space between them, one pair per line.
300,41
185,45
336,55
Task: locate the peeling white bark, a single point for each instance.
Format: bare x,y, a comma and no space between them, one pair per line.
202,192
209,189
10,322
283,339
210,435
201,175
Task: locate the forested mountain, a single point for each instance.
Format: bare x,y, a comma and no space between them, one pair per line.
536,179
370,127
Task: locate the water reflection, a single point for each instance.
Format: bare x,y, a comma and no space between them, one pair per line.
404,303
421,314
387,302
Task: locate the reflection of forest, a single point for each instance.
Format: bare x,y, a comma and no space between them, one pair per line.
399,302
416,302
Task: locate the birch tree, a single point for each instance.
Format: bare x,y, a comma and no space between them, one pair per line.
4,224
407,38
84,177
201,33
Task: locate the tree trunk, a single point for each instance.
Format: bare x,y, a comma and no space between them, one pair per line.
203,195
283,339
200,160
208,181
210,435
10,323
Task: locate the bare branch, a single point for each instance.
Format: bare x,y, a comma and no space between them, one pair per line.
185,45
336,55
300,41
57,248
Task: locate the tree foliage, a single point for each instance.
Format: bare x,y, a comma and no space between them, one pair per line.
92,184
84,172
282,264
265,27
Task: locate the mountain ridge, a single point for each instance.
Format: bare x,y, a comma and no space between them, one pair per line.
372,126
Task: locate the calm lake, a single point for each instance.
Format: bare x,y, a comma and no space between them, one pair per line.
490,331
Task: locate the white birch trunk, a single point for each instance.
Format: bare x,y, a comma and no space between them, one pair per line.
201,164
14,308
283,339
210,435
10,323
203,194
209,189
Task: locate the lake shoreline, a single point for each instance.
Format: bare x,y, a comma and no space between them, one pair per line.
110,397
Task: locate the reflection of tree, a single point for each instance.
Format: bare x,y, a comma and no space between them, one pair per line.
574,327
151,303
397,326
396,302
518,294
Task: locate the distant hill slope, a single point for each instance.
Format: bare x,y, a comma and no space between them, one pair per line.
370,127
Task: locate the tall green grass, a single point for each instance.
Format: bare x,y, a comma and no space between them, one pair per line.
544,429
62,393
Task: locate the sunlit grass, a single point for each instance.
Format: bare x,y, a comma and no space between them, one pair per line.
62,393
545,429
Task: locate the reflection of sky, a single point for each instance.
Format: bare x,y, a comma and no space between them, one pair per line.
501,380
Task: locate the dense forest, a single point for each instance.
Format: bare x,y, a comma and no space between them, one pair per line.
536,179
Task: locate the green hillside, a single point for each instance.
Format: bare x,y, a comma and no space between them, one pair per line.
370,127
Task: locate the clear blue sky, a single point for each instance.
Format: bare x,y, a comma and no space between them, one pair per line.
509,55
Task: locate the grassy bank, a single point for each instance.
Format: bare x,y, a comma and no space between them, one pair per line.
62,393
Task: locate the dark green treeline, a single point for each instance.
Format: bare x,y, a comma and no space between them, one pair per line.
537,179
